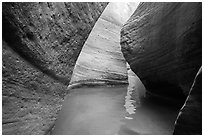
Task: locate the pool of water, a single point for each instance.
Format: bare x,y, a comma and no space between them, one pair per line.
113,111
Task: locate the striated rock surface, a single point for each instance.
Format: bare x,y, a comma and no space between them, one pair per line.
101,59
189,120
49,35
162,42
30,99
41,42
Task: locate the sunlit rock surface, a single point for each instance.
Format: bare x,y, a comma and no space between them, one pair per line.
189,120
41,42
162,44
101,59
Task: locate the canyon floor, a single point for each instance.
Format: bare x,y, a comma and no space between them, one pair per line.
101,111
114,111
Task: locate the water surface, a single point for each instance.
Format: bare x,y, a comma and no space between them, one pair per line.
112,110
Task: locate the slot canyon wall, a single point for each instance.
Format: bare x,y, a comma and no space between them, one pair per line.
189,120
50,35
41,43
101,60
162,42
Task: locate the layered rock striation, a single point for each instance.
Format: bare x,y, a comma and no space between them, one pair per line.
101,59
162,42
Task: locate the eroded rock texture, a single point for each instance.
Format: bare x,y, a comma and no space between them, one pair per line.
49,35
101,59
162,44
30,98
41,42
189,120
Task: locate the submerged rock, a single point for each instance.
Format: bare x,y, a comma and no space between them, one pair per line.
101,59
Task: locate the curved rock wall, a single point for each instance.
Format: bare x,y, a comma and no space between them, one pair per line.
41,42
49,35
30,98
162,44
189,120
101,59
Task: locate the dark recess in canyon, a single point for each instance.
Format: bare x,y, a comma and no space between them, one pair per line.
190,118
162,42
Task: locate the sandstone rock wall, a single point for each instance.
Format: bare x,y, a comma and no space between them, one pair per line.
189,120
101,59
30,98
162,44
41,42
49,35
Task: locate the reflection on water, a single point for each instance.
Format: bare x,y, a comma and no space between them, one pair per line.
114,110
135,91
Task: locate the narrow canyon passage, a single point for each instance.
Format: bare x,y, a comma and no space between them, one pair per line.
126,68
101,59
105,109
